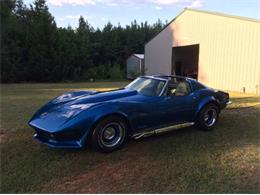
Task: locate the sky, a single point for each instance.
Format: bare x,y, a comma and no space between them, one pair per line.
99,12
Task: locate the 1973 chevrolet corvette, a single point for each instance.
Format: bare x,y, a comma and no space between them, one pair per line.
147,106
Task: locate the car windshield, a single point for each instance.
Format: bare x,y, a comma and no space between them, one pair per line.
147,86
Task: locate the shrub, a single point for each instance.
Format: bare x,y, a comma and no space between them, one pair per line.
115,73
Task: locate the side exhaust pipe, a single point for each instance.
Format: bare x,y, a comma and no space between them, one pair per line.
162,130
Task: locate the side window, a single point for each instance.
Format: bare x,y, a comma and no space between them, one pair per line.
183,88
178,88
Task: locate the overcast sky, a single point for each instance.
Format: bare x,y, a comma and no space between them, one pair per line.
99,12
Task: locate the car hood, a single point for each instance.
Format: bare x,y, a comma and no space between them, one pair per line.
96,97
65,107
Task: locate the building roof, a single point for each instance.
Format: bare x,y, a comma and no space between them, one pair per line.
223,15
207,12
141,56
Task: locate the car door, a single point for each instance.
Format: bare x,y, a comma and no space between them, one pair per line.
149,112
145,114
177,109
173,109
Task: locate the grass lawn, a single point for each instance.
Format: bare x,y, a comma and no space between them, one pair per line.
226,160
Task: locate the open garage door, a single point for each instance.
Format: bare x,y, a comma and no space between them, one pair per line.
185,61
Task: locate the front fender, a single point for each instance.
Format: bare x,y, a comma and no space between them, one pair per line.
88,118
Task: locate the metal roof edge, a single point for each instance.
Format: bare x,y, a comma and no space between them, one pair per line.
206,12
166,26
135,55
140,56
224,15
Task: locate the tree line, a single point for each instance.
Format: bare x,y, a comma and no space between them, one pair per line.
34,49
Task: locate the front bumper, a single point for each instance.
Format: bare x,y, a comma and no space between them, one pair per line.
228,103
224,104
58,144
73,138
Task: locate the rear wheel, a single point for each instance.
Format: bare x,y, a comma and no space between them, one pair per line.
109,134
208,117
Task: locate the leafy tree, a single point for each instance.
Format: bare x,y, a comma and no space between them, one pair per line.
34,49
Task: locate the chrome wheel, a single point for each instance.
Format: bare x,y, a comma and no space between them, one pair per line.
111,134
210,117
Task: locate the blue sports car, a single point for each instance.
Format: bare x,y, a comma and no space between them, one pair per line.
147,106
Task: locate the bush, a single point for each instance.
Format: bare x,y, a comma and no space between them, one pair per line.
115,73
103,73
134,75
91,73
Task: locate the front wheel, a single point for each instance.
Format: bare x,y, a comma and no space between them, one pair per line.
208,117
109,134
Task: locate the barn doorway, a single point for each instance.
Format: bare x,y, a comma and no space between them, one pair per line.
185,61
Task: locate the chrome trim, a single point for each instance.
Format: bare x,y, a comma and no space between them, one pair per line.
115,139
162,130
138,135
165,129
229,102
164,87
210,117
153,77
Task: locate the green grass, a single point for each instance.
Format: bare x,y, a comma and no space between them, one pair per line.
226,160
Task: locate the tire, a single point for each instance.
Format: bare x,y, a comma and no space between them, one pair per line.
109,134
208,117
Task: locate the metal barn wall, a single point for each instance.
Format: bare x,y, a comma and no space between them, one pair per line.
229,56
158,53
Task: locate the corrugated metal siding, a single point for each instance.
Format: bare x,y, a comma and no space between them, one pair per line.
158,53
229,49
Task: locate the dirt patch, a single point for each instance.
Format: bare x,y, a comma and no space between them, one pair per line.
11,135
121,176
4,137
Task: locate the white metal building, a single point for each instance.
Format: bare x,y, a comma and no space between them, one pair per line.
219,50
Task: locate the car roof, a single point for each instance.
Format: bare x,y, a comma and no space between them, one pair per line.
167,77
